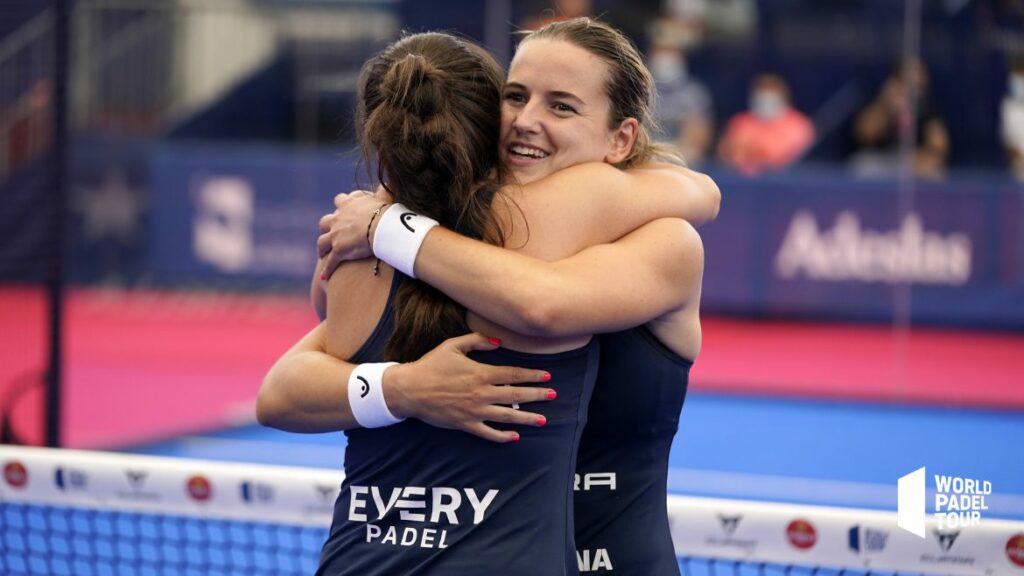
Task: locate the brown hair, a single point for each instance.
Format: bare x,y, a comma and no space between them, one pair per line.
629,86
429,109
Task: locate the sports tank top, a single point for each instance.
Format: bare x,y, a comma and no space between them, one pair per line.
621,474
423,500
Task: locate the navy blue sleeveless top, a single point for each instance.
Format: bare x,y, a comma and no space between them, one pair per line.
423,500
622,468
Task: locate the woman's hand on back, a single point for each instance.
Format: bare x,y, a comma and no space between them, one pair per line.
447,389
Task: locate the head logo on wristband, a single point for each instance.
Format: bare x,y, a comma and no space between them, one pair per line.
366,395
405,217
393,243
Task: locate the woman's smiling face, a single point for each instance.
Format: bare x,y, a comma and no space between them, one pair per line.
555,110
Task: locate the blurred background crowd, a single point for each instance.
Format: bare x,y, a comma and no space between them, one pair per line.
762,86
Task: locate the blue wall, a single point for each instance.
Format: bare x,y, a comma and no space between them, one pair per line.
818,244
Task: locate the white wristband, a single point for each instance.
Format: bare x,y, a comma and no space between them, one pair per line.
366,395
399,236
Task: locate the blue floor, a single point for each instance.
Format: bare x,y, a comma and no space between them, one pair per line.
765,448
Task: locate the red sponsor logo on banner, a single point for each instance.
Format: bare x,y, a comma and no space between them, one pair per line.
1015,550
801,534
199,488
16,474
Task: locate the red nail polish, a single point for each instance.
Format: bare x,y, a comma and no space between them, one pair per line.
541,420
323,277
552,394
495,341
515,437
545,377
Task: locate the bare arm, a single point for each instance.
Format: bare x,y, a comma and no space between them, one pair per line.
627,199
594,192
306,390
602,288
597,290
318,294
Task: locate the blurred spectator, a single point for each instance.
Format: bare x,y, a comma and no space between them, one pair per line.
560,10
877,126
771,135
1012,118
684,107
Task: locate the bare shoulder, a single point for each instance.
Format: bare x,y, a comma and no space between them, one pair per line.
679,252
574,181
356,298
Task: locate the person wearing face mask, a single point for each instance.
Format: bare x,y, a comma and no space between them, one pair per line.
684,107
771,134
1012,118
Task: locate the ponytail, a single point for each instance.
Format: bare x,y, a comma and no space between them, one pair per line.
430,110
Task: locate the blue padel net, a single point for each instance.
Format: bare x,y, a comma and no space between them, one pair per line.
40,539
87,513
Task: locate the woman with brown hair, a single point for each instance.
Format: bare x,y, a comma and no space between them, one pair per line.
419,498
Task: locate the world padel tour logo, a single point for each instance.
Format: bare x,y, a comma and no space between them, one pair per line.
959,502
801,534
1015,550
15,474
199,488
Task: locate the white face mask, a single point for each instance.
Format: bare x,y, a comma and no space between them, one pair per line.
767,104
666,67
1016,86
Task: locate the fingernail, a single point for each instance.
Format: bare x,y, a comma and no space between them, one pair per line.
323,277
541,420
495,341
515,437
552,394
545,377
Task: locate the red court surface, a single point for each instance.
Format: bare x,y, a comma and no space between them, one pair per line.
145,366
